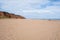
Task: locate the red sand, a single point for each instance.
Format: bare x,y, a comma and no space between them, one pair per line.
24,29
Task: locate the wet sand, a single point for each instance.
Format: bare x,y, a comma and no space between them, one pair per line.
25,29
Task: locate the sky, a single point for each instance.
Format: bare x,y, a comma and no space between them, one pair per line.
32,9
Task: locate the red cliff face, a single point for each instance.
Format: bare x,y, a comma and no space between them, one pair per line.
10,15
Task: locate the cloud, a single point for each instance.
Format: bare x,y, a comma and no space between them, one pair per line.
15,6
54,0
23,4
33,8
51,11
37,11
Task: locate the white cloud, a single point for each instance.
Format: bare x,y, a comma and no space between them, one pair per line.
38,11
29,6
53,8
22,4
17,5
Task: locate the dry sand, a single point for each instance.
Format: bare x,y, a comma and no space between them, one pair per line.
24,29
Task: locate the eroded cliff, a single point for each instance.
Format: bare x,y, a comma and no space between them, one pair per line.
10,15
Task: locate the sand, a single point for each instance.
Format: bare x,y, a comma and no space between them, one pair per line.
26,29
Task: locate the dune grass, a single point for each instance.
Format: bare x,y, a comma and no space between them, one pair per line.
2,17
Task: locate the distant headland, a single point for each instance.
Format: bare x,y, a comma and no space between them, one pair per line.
10,15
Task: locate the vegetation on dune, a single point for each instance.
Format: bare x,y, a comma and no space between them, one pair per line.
1,17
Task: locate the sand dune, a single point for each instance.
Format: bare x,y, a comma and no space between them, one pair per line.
24,29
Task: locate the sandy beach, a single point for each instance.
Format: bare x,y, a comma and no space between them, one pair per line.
26,29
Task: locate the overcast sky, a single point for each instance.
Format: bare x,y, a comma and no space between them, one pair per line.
45,9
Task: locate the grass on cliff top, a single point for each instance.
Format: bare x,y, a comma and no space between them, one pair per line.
2,17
